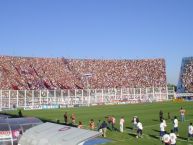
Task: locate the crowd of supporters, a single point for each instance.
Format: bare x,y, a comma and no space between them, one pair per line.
187,76
27,73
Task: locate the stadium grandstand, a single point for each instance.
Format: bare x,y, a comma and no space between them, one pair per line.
27,81
185,83
22,73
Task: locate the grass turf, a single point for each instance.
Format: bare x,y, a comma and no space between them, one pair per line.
148,114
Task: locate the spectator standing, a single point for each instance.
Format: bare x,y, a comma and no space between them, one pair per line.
176,125
99,126
113,122
173,138
160,115
73,118
139,129
166,139
66,118
190,131
162,129
109,120
20,113
104,128
80,124
122,121
182,114
92,124
169,116
134,121
164,121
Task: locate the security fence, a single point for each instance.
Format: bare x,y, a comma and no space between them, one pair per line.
44,99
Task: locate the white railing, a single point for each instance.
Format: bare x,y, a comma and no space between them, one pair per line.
181,95
10,99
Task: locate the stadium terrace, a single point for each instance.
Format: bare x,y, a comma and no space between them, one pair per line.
185,84
27,73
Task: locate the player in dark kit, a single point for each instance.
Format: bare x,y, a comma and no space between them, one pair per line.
161,115
65,118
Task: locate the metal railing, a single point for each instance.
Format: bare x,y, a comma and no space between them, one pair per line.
10,99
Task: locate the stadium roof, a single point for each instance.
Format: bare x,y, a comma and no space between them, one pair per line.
52,134
2,116
20,121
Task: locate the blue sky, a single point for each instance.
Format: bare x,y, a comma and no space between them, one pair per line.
107,29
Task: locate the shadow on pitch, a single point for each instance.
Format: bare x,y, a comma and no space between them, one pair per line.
20,114
128,127
132,134
57,122
182,138
154,136
155,130
156,120
11,115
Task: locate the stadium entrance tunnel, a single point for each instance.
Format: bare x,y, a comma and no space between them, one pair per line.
52,134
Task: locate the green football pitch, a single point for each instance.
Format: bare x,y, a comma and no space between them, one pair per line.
148,114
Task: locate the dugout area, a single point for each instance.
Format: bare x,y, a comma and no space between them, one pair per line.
11,129
51,134
32,131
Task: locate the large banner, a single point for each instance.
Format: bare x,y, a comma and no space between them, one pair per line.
50,106
44,106
37,107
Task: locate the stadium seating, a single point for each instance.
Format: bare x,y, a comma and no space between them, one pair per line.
185,84
27,73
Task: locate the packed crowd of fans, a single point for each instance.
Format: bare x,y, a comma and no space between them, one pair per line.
187,75
27,73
